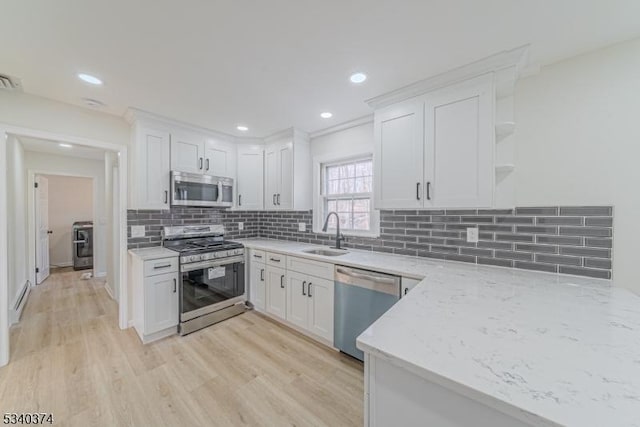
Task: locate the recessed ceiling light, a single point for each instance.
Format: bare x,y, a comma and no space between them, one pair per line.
358,77
326,115
90,79
63,145
242,128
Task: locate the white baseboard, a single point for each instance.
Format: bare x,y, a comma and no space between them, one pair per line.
16,312
62,264
107,287
130,323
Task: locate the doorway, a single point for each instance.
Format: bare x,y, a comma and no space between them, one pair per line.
64,218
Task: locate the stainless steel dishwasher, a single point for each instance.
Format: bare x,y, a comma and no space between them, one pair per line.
361,297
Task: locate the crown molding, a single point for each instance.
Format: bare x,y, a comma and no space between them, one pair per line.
343,126
132,115
517,58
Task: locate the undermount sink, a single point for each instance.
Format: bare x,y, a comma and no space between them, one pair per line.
325,252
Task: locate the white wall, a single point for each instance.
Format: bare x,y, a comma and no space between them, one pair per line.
47,163
70,200
34,112
578,142
16,219
349,142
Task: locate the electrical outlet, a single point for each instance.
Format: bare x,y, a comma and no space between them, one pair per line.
137,231
302,226
472,235
240,226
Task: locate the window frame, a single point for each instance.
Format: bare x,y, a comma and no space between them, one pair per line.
320,198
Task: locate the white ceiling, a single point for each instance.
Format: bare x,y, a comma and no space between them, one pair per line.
280,63
52,147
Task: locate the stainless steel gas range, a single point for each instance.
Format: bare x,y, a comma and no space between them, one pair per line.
212,282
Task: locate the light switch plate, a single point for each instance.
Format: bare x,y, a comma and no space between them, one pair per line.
302,226
472,235
137,231
240,226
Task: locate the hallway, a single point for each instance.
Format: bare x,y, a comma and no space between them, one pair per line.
70,359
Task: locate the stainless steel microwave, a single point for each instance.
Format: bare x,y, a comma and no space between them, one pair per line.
192,189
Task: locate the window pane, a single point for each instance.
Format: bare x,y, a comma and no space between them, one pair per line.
361,221
333,172
347,186
363,185
331,206
333,187
361,205
344,206
364,169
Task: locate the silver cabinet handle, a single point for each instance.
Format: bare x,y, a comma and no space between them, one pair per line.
257,256
428,190
239,199
262,274
303,283
157,267
417,190
207,164
274,259
406,290
274,199
309,289
166,197
200,163
282,281
175,285
278,199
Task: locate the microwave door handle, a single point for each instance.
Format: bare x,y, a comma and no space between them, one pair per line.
219,192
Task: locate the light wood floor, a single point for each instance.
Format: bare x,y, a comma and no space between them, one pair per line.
69,358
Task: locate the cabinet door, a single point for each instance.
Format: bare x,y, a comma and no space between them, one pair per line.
297,299
320,293
399,156
160,302
276,291
459,145
250,179
153,168
272,176
257,288
219,158
284,197
187,153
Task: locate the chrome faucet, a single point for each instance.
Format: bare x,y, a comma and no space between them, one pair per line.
339,235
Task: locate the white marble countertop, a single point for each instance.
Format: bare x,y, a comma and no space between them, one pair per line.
157,252
548,349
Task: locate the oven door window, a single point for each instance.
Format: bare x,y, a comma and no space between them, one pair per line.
195,192
211,285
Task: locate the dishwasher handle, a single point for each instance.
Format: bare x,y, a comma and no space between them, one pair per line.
369,280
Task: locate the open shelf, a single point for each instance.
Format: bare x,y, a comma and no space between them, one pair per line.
504,168
504,129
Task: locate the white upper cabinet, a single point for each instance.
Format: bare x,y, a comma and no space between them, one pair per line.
287,176
437,150
459,150
150,176
250,183
399,152
187,152
219,158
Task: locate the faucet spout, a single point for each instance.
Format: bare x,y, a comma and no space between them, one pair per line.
339,236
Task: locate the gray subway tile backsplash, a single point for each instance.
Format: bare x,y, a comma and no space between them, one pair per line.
572,240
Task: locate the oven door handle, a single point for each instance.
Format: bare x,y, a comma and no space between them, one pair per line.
212,263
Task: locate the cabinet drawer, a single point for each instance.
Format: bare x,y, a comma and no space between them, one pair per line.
256,255
277,260
310,267
160,266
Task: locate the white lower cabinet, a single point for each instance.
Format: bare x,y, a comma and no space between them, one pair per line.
276,300
310,303
155,296
160,302
257,285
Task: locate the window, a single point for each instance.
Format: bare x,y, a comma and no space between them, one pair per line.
347,189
